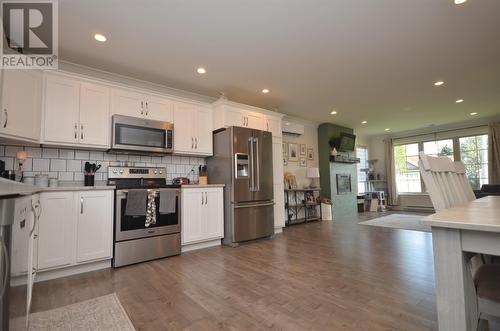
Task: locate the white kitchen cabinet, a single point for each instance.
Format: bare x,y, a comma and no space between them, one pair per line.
240,117
202,214
74,228
192,129
76,113
94,228
273,125
278,186
21,104
130,103
56,233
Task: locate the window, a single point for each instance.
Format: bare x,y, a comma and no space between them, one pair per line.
362,153
471,150
406,166
474,155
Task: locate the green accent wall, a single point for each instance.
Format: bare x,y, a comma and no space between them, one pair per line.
327,131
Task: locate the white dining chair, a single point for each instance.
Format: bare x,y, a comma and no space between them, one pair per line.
448,187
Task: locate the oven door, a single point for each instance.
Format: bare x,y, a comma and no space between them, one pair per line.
139,134
133,227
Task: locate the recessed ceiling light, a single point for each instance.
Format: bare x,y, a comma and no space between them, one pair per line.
438,83
201,70
473,114
459,2
364,122
459,101
100,37
265,91
333,112
387,129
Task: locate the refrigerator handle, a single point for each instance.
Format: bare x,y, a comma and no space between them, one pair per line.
251,179
257,166
6,274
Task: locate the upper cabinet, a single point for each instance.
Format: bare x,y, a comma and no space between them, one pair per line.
76,113
130,103
21,101
228,113
192,129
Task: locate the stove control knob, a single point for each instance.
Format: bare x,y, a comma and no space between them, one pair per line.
115,171
156,172
160,172
121,171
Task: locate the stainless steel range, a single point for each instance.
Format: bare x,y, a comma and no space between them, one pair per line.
150,235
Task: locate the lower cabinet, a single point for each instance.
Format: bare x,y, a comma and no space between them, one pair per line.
74,227
202,214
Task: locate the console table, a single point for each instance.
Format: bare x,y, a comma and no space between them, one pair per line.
294,204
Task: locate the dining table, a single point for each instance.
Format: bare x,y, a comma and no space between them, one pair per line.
457,233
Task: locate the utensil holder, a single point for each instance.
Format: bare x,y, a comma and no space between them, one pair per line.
89,180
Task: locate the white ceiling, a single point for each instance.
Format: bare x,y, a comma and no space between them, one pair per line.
368,60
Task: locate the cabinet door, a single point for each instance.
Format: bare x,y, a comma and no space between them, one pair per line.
279,207
56,235
255,121
213,213
94,225
61,115
20,256
94,115
128,103
21,100
184,121
192,226
159,109
277,160
273,125
235,117
203,136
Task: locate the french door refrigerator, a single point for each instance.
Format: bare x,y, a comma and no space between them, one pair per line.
243,161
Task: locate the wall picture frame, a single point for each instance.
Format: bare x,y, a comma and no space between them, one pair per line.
303,150
284,147
293,153
310,153
303,162
343,184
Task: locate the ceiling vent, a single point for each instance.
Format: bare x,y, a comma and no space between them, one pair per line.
293,128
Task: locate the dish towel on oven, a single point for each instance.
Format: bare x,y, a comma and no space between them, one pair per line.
136,203
167,201
151,209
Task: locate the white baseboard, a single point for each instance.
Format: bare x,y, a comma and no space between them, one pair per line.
205,244
71,270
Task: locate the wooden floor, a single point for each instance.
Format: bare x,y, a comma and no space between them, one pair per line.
319,276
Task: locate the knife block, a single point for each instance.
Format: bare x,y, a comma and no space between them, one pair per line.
203,180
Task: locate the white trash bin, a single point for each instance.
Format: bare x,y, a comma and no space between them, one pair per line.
326,211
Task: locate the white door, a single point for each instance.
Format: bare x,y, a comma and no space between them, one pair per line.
203,135
56,233
159,109
94,115
192,226
62,104
21,100
94,225
128,103
213,213
254,121
184,121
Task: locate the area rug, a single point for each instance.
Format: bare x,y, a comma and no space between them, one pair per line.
102,313
400,221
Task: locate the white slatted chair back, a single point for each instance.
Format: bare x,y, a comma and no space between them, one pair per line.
445,181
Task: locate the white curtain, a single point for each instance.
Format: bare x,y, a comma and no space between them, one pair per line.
494,152
392,190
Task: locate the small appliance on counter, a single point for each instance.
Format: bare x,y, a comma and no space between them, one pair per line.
203,175
181,181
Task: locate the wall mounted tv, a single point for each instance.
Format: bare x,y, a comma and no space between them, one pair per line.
346,142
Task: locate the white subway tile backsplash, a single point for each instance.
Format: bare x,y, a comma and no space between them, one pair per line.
134,158
81,155
66,176
109,157
33,152
146,159
50,153
2,150
9,163
66,154
74,165
99,156
41,165
57,165
28,164
12,150
156,159
121,157
166,159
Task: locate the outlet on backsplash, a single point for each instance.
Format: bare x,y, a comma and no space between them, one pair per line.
68,164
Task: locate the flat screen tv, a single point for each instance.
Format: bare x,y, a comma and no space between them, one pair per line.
347,142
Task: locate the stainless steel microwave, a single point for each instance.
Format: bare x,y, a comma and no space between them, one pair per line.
141,135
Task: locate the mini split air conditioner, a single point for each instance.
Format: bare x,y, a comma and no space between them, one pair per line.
292,128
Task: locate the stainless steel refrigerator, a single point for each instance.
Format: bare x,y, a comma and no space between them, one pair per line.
243,160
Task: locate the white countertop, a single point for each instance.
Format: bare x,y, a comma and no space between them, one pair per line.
202,186
10,187
478,215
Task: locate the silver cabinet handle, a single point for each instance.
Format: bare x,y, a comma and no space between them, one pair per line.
267,122
6,117
142,107
206,198
196,143
147,108
37,211
202,198
192,143
244,121
81,205
81,132
76,130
